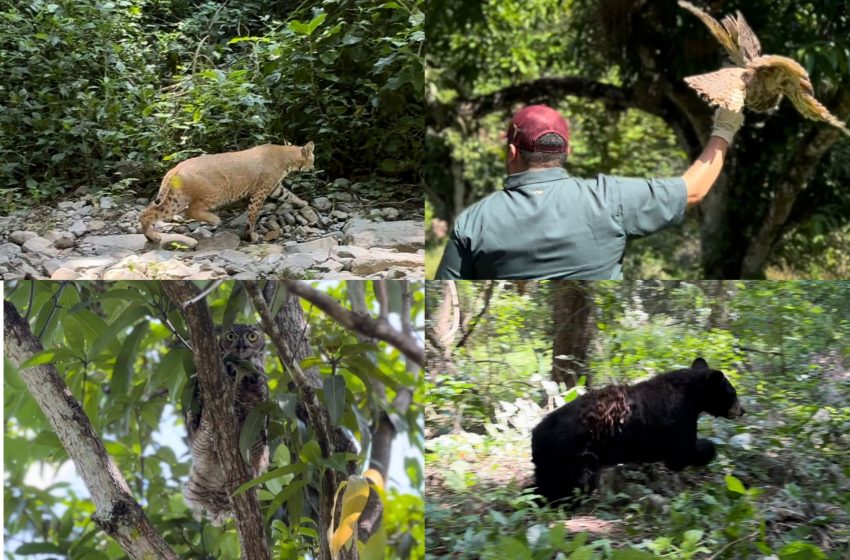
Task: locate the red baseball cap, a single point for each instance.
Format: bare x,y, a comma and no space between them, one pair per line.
532,122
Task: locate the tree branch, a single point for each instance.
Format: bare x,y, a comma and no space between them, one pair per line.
218,410
800,170
116,512
551,91
364,324
317,414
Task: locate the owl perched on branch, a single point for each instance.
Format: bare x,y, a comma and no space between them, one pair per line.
757,81
242,353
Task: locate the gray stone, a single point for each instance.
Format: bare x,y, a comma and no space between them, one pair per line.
343,197
61,239
107,203
330,266
324,244
339,215
379,261
223,240
123,274
21,237
8,251
348,252
342,183
175,241
404,236
130,241
322,204
78,228
310,215
40,245
245,276
390,213
95,225
88,263
64,274
65,205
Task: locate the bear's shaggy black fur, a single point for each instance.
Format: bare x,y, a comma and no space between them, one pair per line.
655,420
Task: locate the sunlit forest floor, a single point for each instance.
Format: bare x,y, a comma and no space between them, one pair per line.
789,500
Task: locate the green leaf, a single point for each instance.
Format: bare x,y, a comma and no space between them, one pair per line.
272,474
39,548
124,320
295,486
799,550
122,373
254,423
236,303
334,396
735,485
43,357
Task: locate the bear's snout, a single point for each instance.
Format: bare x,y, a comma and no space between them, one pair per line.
736,410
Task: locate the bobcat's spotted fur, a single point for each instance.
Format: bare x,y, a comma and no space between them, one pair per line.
207,182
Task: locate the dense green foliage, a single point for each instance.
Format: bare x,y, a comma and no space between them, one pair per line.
781,481
95,92
117,353
645,122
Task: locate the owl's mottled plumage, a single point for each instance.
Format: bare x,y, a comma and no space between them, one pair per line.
758,81
242,353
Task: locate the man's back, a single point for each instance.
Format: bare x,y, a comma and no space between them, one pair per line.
547,225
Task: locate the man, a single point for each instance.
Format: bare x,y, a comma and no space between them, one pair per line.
547,225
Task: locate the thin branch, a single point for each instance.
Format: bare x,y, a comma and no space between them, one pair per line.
116,511
317,415
218,410
364,324
800,170
488,294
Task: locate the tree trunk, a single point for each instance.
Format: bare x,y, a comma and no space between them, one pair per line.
574,323
116,512
206,353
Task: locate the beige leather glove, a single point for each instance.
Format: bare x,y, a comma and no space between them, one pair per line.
727,123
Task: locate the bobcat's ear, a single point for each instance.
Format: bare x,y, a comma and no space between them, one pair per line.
307,150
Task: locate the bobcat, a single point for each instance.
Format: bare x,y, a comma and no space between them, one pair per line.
208,182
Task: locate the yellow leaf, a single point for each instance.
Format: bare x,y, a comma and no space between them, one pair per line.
353,501
176,182
376,477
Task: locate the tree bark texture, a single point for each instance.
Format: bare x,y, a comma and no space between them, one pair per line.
573,320
116,511
250,524
317,413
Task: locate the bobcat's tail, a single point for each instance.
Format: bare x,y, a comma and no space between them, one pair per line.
165,187
150,214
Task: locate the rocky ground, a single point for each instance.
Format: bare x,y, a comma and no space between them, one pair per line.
339,236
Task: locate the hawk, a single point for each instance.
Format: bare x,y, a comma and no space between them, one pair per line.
756,81
242,351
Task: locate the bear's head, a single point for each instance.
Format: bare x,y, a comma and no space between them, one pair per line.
721,399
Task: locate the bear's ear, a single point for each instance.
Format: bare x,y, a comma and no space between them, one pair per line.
700,364
716,376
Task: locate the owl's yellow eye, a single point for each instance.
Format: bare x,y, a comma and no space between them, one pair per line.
252,337
230,336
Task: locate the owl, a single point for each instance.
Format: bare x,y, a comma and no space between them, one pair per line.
756,81
242,353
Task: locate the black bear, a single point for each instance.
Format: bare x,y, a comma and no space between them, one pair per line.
655,420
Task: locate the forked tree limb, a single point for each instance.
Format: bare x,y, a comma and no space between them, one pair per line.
116,511
364,324
211,377
317,414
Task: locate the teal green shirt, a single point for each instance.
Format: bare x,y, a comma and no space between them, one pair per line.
548,225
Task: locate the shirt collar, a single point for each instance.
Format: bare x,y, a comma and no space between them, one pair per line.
537,176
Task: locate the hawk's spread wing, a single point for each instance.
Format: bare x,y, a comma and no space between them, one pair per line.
811,108
726,88
735,35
